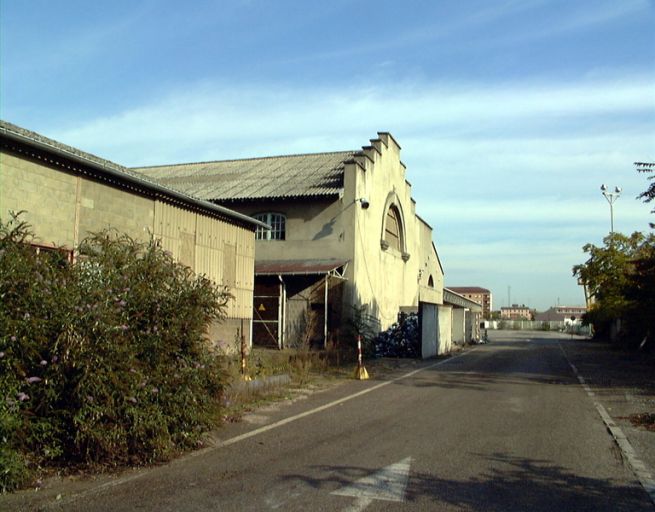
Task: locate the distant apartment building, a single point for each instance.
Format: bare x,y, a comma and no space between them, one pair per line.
480,295
561,313
516,312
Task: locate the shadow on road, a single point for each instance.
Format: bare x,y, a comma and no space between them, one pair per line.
483,381
513,483
517,362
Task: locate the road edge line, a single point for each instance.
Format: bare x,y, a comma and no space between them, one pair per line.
242,437
323,407
643,474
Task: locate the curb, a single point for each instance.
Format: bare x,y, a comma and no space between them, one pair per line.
640,470
272,381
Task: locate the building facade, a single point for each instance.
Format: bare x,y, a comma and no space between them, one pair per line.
67,194
562,314
516,312
480,295
345,236
466,315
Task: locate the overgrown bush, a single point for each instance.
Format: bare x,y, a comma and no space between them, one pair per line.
103,361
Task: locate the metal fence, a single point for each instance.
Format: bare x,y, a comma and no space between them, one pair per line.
533,325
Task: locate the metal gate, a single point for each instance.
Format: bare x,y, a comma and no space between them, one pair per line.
266,314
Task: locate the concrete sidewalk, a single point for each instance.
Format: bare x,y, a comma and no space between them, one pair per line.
624,383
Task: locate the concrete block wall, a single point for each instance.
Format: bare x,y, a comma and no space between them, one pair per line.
46,195
102,206
63,208
224,336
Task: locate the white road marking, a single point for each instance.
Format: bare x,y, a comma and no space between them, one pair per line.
285,421
359,505
387,484
221,444
638,467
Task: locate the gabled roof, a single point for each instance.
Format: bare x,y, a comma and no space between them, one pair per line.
277,177
28,142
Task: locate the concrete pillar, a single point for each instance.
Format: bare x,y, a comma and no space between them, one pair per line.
444,323
459,333
429,329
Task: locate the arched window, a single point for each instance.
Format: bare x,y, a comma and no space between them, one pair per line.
393,229
277,221
430,282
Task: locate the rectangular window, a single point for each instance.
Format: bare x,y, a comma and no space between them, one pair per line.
277,221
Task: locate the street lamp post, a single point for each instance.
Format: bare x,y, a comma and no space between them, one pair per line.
611,197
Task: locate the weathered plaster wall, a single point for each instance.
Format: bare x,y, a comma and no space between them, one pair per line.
383,279
315,229
386,278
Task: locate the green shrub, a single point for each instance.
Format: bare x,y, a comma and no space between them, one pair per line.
363,325
104,361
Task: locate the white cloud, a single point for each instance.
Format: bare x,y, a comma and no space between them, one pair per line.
584,17
449,24
238,121
513,172
538,272
552,211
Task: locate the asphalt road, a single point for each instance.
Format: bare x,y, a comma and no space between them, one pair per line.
503,427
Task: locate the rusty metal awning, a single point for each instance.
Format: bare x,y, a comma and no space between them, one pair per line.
332,267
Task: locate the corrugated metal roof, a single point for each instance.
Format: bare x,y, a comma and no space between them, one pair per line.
468,289
297,267
107,167
319,174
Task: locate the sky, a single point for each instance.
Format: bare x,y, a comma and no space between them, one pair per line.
510,113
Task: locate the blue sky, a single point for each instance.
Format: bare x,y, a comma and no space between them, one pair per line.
511,114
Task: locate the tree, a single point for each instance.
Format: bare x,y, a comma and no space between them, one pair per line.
642,289
610,274
640,294
649,194
620,278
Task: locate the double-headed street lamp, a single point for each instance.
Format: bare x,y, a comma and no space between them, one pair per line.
611,197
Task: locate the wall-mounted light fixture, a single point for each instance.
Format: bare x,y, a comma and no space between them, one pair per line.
364,202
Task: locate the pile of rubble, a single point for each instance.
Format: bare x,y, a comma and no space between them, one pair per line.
400,340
